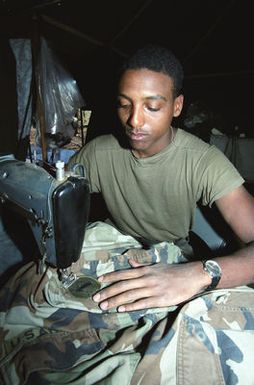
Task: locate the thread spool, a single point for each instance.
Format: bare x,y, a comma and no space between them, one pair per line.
60,174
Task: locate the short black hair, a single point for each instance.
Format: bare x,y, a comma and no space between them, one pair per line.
159,59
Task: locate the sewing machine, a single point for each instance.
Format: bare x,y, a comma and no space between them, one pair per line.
56,207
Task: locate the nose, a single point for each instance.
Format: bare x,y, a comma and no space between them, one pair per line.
136,117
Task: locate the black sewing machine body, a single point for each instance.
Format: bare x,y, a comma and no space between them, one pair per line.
57,211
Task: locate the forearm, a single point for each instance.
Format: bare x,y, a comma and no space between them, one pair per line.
237,268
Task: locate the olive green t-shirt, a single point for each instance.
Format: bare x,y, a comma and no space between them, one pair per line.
155,197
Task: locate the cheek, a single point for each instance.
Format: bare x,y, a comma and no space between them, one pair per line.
121,115
124,117
163,121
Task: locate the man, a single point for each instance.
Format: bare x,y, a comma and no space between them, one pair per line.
151,188
135,312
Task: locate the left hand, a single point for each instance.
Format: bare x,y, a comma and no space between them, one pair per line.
150,286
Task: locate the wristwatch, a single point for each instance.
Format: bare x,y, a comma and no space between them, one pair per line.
213,269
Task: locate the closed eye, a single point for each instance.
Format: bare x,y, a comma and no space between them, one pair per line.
123,105
153,109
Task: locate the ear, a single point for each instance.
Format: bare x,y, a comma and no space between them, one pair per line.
178,105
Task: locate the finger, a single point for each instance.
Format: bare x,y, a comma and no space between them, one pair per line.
122,275
118,288
134,263
144,303
123,299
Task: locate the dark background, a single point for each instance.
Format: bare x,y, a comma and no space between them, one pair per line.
212,38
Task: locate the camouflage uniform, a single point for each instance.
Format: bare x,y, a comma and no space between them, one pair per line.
51,334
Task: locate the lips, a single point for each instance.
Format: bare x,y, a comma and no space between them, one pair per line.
138,136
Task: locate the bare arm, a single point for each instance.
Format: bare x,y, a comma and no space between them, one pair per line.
237,209
160,285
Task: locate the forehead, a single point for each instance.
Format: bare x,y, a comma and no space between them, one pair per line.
147,82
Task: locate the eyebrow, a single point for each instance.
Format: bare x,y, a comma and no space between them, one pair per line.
151,97
156,97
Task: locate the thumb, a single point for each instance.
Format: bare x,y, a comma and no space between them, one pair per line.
134,263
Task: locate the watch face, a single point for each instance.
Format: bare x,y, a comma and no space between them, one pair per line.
212,268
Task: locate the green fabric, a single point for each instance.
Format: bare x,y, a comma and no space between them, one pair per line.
49,336
155,197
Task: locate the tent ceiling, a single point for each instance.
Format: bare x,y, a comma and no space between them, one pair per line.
213,38
209,36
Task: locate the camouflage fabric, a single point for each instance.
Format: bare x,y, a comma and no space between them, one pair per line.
53,333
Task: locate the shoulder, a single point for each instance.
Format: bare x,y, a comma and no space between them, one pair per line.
104,143
193,147
205,157
187,141
100,148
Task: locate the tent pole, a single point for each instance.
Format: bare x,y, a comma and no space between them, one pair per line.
36,44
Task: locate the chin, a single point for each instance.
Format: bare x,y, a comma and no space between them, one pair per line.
137,148
136,145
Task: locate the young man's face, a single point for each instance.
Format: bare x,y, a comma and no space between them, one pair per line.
146,107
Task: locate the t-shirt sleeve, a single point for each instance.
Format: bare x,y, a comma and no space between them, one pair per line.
87,158
217,176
